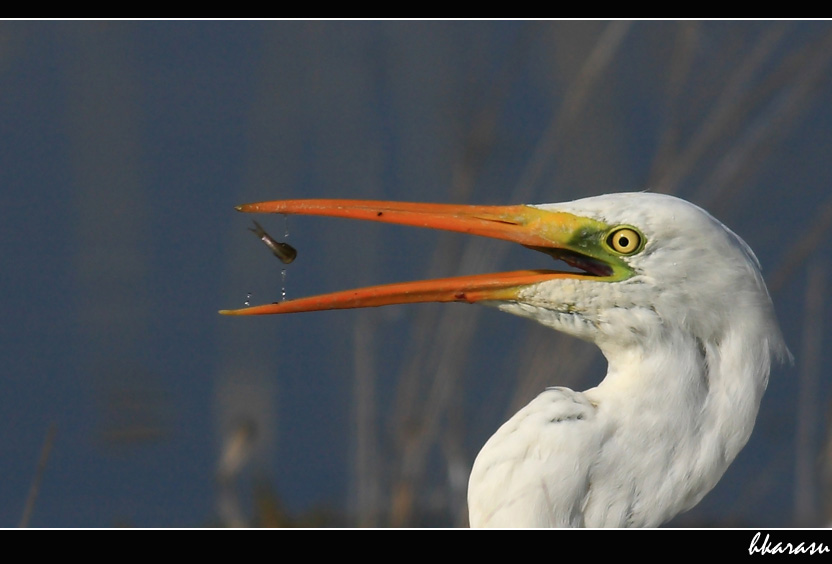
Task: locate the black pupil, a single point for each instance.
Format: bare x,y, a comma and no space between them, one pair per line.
623,241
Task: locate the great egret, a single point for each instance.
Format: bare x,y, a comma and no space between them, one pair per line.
676,303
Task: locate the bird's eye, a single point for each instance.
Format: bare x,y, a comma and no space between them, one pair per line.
624,240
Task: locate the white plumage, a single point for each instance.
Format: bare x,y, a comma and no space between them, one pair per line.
689,340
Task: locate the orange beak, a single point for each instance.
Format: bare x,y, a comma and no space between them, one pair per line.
547,231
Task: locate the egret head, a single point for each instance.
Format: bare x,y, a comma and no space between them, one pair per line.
645,265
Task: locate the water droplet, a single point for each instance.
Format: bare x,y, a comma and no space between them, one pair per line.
248,299
286,225
283,284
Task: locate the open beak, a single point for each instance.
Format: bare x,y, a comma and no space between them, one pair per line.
552,232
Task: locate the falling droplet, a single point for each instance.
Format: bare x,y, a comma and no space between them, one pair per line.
286,225
248,299
283,284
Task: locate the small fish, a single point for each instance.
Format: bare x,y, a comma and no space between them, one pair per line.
285,252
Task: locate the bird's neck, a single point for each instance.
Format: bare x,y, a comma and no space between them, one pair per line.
710,391
643,386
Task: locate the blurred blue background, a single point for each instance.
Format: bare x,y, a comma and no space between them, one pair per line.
125,146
